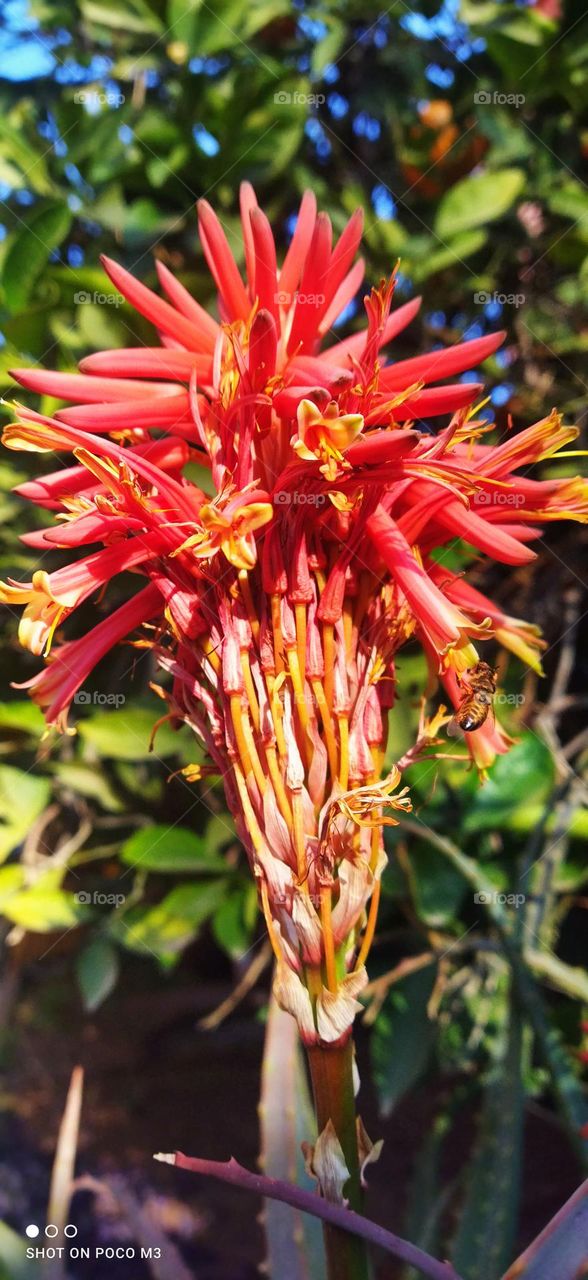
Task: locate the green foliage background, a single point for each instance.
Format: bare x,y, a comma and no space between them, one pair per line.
462,136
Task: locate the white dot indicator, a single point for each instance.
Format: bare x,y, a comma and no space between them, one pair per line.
51,1230
70,1231
31,1231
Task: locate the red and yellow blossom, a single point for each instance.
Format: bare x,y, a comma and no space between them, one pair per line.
278,605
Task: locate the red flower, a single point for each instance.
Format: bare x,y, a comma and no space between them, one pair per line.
282,601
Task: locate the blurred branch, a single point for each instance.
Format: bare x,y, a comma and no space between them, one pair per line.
309,1202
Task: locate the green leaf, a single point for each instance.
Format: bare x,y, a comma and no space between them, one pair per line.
97,970
40,909
403,1038
438,888
170,849
462,246
125,734
486,1233
23,796
134,16
46,228
477,200
165,930
23,716
522,777
14,1264
231,930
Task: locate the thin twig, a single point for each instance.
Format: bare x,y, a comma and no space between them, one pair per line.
254,971
309,1202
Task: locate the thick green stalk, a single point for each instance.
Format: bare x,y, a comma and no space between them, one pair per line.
331,1072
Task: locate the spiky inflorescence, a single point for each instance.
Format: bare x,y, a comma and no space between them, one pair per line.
278,605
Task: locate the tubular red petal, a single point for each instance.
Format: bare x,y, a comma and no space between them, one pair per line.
54,687
47,491
440,620
266,274
89,390
59,435
310,300
354,345
188,306
439,364
94,527
247,203
153,308
263,346
286,402
164,411
346,291
293,264
308,369
149,362
489,538
429,403
382,446
222,264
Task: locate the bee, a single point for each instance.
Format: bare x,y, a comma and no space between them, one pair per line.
479,684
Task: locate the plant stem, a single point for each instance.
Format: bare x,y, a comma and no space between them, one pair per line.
331,1072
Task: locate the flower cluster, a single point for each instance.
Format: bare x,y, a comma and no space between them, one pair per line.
277,601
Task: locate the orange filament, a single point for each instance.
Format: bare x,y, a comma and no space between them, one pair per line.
370,928
256,765
249,605
329,731
237,718
250,689
344,756
209,650
277,633
328,940
278,785
329,656
299,840
300,702
300,615
272,935
348,627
